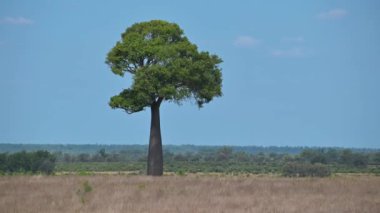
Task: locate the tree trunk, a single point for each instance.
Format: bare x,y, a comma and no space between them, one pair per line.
155,159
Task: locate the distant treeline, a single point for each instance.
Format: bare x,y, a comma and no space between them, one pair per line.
27,162
310,162
227,154
94,148
191,159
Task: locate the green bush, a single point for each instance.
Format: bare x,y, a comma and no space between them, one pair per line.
305,170
180,172
83,191
87,187
27,162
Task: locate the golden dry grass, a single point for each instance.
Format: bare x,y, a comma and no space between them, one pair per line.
194,193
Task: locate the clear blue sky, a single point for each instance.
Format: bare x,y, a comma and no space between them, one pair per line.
296,72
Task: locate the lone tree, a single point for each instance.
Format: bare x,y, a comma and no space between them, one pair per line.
165,66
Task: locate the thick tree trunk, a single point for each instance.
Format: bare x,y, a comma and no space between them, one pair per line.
155,159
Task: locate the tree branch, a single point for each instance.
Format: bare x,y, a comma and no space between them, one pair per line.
159,100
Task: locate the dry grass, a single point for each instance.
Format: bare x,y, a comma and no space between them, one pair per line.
195,193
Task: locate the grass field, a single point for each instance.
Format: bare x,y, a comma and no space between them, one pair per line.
192,193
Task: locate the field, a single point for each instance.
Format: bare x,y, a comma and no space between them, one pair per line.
192,193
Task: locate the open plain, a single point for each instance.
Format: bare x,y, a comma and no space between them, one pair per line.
192,193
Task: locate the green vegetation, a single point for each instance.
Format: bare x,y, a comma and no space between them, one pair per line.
86,188
310,162
99,166
182,160
305,170
27,162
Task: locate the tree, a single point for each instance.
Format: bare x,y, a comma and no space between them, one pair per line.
38,161
224,153
165,66
346,157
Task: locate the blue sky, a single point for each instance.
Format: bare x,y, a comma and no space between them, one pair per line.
295,73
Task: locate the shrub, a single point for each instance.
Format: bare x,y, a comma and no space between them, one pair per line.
87,187
82,192
181,172
305,170
27,162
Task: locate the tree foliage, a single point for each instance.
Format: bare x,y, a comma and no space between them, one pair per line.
33,162
165,65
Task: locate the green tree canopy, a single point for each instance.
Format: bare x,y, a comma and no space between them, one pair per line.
165,65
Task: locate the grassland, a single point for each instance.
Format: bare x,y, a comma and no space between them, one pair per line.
193,193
